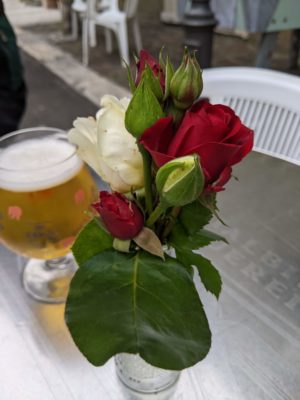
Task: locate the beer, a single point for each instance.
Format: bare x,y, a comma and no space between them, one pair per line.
45,193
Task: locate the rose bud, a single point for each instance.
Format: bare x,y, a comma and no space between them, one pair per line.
147,59
153,83
121,217
186,84
180,181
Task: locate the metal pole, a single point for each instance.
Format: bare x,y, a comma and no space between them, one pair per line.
199,23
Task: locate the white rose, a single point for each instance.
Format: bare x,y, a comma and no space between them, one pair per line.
106,145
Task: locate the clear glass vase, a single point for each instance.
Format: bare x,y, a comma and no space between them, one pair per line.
139,376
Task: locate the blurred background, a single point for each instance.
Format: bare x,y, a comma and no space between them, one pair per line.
224,33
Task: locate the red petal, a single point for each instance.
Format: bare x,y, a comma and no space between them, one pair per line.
215,157
156,140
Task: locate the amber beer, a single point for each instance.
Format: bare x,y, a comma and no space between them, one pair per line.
45,193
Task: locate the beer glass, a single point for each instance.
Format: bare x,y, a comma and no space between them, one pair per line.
45,194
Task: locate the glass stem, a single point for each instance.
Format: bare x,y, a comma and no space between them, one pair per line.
57,263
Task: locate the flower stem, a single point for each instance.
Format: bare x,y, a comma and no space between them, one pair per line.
155,214
147,178
174,214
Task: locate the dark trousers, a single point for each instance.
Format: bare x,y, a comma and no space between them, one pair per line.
12,86
12,105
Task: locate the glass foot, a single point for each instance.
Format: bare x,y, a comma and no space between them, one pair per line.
140,377
48,280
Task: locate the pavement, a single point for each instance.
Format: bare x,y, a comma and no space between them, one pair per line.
67,72
61,104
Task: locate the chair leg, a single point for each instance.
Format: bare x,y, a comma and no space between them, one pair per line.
74,24
85,42
265,52
108,40
137,35
294,50
123,41
92,33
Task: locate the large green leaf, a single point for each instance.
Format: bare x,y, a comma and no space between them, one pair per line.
91,240
137,303
209,275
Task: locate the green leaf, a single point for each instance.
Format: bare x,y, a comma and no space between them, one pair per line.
180,237
209,275
194,216
184,244
91,240
143,110
209,201
137,304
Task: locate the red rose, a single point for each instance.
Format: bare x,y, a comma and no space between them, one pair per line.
122,218
214,132
146,58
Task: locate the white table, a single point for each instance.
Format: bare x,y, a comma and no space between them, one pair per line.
255,351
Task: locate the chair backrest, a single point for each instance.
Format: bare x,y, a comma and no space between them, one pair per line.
130,8
265,100
94,6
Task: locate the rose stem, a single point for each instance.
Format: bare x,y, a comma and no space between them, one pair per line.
159,209
147,178
168,228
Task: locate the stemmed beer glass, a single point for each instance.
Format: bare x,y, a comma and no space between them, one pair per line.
45,193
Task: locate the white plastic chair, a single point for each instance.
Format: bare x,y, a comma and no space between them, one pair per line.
265,100
79,9
113,20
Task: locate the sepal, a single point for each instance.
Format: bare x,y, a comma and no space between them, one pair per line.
149,241
143,110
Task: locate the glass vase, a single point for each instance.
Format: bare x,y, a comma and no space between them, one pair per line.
139,376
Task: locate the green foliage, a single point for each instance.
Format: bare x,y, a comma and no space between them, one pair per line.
188,235
137,303
209,275
91,240
194,216
202,237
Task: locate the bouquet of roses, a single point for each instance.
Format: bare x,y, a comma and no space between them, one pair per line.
165,154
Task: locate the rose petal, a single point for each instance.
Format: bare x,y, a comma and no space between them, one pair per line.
215,157
156,140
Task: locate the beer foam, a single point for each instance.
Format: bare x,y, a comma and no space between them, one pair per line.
37,164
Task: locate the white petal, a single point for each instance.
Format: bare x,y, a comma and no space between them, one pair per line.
107,147
84,136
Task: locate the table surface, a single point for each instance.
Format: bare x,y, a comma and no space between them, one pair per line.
255,351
